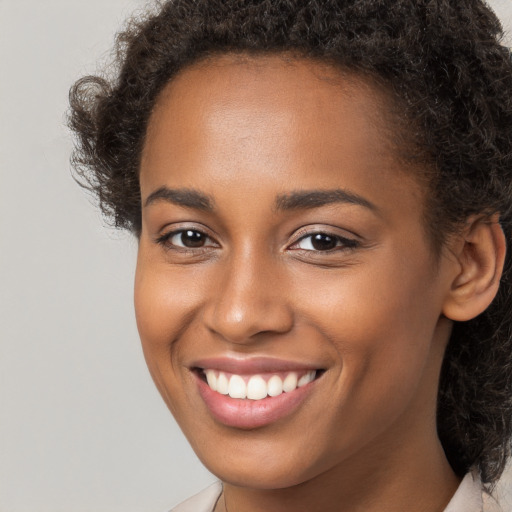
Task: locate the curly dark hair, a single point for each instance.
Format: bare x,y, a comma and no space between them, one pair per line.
451,83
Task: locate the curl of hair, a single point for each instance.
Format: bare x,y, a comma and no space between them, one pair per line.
451,80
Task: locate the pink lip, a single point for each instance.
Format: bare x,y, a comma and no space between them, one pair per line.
245,413
253,365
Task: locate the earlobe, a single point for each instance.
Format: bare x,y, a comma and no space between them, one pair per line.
480,255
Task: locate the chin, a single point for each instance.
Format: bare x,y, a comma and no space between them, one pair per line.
260,460
261,476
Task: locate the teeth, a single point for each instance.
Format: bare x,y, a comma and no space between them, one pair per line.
256,387
237,387
306,379
290,383
222,384
275,386
211,379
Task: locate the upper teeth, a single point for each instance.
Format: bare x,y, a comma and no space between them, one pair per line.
256,387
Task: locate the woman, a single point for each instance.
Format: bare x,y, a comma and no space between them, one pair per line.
321,192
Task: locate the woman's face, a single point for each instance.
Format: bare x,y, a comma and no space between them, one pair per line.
283,245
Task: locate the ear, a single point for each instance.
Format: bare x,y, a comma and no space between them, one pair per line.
480,255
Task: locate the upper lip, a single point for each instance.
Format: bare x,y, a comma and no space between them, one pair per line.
252,365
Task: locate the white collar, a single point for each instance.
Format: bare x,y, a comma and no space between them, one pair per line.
468,497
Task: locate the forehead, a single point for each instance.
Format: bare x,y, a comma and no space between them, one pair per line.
295,91
268,120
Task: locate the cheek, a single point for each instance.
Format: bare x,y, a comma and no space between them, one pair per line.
152,311
165,300
162,307
381,323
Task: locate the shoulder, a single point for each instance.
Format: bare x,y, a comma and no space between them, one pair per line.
202,502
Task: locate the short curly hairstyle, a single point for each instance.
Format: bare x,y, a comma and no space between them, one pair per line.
451,82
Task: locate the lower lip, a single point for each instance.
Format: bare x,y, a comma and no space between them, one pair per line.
250,414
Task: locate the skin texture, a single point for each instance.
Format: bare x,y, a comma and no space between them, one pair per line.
370,312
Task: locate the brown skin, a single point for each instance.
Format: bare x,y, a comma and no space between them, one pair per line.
373,316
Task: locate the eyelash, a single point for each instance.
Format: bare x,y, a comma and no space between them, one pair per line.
342,243
165,240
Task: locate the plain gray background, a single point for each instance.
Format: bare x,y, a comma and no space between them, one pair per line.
81,426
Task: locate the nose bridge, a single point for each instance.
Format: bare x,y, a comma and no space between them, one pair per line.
250,297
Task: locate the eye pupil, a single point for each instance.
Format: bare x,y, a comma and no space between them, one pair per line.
190,238
323,242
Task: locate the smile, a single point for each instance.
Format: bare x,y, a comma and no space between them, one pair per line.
256,387
253,393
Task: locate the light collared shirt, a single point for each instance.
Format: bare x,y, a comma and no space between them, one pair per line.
469,497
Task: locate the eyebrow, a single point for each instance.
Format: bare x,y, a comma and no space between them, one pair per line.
309,199
186,197
296,200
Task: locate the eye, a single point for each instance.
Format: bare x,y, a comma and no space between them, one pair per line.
186,239
323,242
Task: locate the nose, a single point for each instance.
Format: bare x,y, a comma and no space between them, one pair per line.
249,299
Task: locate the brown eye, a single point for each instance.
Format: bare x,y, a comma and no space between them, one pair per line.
186,239
323,242
190,238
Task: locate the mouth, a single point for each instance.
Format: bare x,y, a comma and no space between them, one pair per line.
253,394
258,386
